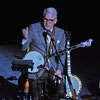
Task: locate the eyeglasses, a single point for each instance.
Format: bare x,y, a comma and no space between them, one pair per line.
48,20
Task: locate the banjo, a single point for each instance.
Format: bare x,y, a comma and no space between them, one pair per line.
75,80
39,60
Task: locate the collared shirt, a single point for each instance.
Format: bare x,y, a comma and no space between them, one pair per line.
49,38
23,41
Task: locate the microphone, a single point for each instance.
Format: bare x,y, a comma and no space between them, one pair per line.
44,34
41,66
49,33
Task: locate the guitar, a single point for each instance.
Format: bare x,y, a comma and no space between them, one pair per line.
73,82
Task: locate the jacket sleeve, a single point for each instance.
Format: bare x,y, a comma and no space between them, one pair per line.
26,45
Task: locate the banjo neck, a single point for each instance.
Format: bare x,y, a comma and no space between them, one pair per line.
69,71
68,59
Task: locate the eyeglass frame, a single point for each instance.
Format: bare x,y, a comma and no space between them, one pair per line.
48,20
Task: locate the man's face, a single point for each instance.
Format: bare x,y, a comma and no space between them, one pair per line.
49,20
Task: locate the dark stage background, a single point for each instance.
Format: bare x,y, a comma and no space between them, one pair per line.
81,18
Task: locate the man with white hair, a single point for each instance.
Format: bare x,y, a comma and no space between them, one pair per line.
36,38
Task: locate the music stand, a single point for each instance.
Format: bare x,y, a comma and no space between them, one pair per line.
22,65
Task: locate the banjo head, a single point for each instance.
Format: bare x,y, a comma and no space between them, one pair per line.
37,59
76,83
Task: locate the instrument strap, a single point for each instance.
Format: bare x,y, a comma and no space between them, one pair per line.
53,33
50,46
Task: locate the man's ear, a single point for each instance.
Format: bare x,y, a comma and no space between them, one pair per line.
55,21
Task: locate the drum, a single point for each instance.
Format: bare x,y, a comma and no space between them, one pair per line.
38,61
76,83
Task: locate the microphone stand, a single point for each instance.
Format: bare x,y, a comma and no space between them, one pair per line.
57,54
47,56
52,40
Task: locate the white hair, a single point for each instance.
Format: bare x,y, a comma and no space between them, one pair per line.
50,10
